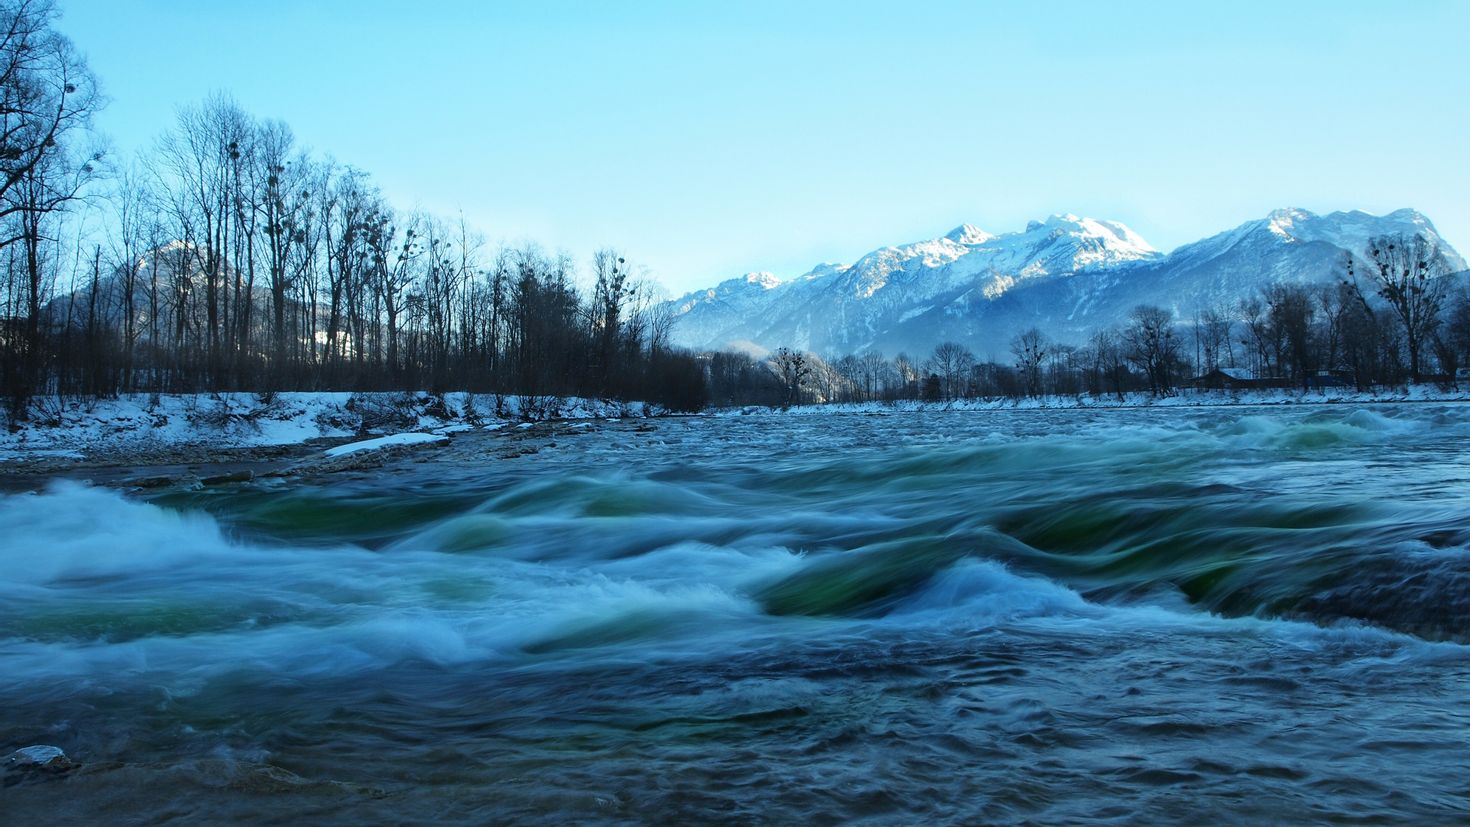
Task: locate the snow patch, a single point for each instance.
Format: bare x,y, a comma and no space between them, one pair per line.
381,442
968,234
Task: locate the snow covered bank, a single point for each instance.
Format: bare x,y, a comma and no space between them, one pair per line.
142,422
1183,399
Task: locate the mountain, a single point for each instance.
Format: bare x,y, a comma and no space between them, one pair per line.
1067,275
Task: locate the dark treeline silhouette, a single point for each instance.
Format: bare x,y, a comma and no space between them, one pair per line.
234,260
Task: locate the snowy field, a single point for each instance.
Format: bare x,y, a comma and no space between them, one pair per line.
138,423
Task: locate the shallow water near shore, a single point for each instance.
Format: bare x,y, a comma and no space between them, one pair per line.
1215,615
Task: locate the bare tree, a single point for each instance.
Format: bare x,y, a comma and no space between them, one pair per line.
1405,272
1030,349
792,368
129,260
1260,337
47,99
1109,364
1332,308
47,95
908,375
1152,344
611,294
1291,316
874,369
1214,333
849,374
283,208
1456,332
1065,369
951,362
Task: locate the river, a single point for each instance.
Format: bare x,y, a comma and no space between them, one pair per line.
1219,615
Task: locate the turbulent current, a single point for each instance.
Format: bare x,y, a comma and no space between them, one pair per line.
1229,615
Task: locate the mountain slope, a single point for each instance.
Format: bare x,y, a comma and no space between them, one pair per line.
1066,275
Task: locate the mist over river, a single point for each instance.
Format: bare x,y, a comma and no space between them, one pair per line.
1223,615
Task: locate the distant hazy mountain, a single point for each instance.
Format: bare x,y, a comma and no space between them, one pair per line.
1066,275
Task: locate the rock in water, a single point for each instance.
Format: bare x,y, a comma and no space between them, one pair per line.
232,476
39,757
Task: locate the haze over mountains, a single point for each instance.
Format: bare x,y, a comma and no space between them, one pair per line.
1066,275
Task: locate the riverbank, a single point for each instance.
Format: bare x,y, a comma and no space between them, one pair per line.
190,429
216,436
1181,399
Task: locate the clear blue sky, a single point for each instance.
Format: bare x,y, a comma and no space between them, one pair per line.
710,139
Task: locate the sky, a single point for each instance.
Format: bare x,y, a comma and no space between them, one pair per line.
705,140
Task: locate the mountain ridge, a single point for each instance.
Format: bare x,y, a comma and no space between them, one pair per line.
1067,275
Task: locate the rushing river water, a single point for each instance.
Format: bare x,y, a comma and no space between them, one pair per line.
1158,616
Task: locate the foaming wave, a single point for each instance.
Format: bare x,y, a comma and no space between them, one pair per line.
1320,430
977,593
74,532
980,589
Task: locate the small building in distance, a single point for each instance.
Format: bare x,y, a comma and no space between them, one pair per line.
1226,379
1335,378
1230,379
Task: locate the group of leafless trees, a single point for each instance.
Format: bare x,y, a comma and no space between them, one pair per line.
47,99
1393,317
232,259
1145,354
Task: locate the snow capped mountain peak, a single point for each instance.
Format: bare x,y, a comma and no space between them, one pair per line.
1114,235
968,234
1124,236
1410,215
1281,222
1063,219
758,282
1349,230
1067,274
